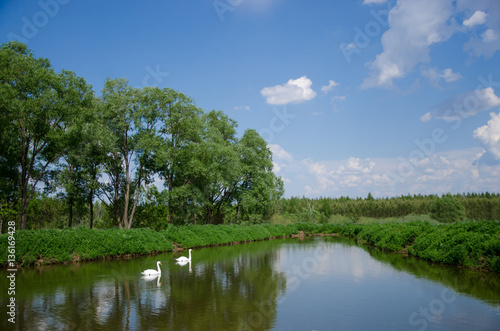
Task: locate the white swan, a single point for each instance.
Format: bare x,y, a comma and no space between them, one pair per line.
153,271
183,258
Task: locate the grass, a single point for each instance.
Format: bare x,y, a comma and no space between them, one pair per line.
474,244
58,246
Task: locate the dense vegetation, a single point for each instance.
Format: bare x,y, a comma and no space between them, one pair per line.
60,142
76,244
474,244
448,208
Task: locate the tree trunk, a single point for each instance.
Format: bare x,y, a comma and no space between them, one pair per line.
91,205
24,186
170,209
70,200
70,221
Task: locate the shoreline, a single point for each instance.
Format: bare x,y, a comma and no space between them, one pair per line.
477,246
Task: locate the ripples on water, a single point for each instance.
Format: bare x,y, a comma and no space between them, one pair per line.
314,284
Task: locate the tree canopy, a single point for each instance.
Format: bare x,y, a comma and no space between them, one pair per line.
58,139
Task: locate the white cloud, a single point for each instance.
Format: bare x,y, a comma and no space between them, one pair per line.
349,46
489,135
413,27
242,108
450,76
479,17
426,117
467,104
339,98
434,77
279,153
439,172
331,84
483,41
489,36
294,91
281,158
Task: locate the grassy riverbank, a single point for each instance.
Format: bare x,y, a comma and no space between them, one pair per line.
473,244
469,244
66,245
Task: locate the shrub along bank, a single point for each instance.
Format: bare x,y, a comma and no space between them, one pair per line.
66,245
470,244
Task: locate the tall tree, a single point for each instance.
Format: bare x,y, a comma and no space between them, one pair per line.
41,106
134,118
176,161
222,170
259,188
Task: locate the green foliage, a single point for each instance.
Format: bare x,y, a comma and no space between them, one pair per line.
39,108
484,206
471,244
207,235
55,246
447,209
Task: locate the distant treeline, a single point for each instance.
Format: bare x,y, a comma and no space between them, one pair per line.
483,206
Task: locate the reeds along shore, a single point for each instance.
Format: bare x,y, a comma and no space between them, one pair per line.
473,244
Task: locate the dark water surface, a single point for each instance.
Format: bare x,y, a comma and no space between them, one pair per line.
327,283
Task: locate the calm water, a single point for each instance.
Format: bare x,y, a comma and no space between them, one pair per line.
314,284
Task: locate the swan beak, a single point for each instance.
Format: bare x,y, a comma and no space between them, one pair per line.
161,263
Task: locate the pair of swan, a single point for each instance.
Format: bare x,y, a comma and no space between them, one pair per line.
181,261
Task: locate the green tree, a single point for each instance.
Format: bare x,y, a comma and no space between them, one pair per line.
176,155
258,187
447,209
40,106
121,117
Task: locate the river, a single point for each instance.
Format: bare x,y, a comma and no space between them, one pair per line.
325,283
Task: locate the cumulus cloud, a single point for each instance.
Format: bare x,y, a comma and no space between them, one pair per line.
279,153
449,76
331,84
435,77
489,135
479,17
294,91
416,26
484,40
467,104
413,27
436,173
489,36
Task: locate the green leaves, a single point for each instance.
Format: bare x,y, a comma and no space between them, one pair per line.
55,131
447,209
40,106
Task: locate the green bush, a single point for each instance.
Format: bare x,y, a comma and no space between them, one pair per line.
447,209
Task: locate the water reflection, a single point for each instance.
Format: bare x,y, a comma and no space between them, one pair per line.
212,292
279,284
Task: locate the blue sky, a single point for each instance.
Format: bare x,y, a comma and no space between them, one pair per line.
388,97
